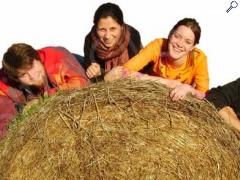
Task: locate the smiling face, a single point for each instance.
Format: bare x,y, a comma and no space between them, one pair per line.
108,31
181,42
32,75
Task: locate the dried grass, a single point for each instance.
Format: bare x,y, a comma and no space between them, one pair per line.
121,130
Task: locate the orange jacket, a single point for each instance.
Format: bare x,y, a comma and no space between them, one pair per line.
62,68
194,71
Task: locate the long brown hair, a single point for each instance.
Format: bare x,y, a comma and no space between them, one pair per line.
190,23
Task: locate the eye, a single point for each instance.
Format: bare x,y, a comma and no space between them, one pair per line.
189,42
102,30
22,75
113,29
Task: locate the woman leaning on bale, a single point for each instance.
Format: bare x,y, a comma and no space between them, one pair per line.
175,62
111,42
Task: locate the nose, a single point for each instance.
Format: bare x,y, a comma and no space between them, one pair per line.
31,74
107,35
179,42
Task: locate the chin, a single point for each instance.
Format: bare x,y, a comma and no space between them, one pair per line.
175,55
108,45
38,84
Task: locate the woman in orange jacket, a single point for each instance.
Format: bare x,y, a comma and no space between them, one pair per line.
175,62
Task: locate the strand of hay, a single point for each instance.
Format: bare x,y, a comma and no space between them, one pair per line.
121,130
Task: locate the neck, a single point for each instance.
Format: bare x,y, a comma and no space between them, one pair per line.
176,63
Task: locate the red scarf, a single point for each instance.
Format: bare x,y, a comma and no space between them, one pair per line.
116,55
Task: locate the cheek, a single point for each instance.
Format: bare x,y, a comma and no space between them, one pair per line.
117,35
25,81
172,40
189,48
100,35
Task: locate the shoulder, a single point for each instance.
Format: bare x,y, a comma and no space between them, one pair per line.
134,34
199,57
198,54
88,37
157,43
53,54
132,30
53,50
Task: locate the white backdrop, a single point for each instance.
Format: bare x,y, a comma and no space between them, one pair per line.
66,22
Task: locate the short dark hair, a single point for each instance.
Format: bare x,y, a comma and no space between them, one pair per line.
192,24
108,9
18,56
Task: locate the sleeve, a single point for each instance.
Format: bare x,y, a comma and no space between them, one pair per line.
89,54
88,51
72,74
7,113
135,44
201,77
150,53
226,95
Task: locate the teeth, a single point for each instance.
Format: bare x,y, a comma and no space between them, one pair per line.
176,49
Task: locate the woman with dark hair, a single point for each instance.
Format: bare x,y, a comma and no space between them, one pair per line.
175,62
110,42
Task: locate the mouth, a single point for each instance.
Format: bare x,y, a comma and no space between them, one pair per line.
107,42
176,49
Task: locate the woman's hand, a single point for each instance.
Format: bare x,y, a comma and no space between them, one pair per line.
181,91
93,70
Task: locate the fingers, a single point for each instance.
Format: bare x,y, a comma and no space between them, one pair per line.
93,70
177,94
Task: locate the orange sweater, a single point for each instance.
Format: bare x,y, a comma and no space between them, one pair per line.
194,71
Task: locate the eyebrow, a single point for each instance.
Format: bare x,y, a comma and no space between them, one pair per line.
184,38
21,74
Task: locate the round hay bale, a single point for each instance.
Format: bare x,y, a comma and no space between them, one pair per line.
121,130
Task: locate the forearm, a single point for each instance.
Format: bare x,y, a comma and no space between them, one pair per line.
121,72
74,83
230,117
197,94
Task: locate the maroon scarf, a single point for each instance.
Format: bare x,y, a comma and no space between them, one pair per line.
114,56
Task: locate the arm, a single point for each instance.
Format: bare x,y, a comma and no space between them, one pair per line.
7,113
148,54
122,72
230,117
72,75
93,68
88,51
227,95
135,44
181,91
201,77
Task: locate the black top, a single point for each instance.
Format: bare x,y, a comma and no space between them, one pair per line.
90,55
227,95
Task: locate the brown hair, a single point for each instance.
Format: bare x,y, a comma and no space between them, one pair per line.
18,56
192,24
108,9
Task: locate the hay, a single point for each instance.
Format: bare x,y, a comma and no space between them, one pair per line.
121,130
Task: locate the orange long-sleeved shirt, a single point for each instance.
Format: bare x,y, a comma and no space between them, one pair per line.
194,71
